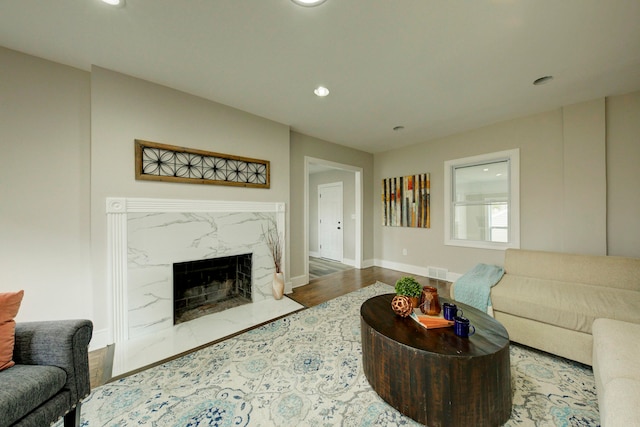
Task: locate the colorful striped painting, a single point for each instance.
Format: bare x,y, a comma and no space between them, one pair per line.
406,200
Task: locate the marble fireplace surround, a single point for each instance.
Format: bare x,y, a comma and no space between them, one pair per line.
146,236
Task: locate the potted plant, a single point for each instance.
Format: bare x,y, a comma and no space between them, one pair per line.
409,286
274,243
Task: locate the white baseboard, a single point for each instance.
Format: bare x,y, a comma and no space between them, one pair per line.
413,269
314,254
299,280
288,287
366,263
407,268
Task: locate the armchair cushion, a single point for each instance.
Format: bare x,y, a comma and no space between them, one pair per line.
9,306
26,388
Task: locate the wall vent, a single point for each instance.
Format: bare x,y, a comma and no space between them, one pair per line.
437,273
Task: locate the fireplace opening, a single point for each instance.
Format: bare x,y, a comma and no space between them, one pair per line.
209,286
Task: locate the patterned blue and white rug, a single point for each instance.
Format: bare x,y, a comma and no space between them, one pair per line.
305,370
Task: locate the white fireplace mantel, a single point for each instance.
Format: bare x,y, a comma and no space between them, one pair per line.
158,219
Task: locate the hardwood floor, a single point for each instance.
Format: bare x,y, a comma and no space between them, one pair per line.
342,282
318,290
321,267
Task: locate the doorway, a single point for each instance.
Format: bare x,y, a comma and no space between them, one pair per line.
352,232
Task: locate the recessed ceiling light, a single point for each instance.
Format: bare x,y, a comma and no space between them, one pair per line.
321,91
114,2
308,3
542,80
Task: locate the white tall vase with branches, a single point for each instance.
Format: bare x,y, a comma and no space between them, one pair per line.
273,239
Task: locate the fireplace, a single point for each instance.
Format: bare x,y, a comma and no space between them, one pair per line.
209,286
147,236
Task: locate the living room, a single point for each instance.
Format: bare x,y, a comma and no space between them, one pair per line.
68,138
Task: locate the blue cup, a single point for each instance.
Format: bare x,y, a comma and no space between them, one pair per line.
462,327
450,311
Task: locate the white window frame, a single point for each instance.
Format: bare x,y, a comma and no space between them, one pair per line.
513,156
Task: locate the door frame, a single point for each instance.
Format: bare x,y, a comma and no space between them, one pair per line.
359,191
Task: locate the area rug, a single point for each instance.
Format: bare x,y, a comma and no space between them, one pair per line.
305,370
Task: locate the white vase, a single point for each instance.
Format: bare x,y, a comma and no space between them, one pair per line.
278,285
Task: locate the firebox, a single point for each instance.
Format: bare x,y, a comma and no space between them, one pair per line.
209,286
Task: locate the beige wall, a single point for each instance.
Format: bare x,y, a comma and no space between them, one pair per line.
67,144
124,108
563,189
584,216
348,209
623,175
301,146
44,186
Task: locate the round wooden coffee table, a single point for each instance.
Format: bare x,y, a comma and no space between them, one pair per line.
432,375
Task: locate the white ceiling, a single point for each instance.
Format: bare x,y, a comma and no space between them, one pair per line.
436,67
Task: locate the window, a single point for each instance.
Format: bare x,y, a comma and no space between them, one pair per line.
482,202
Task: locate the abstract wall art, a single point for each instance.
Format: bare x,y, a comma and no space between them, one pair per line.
406,200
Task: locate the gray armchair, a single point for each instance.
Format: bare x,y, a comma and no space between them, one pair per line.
51,374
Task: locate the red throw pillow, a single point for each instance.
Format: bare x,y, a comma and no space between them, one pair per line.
9,306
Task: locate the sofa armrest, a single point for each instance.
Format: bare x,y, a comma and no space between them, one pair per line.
63,343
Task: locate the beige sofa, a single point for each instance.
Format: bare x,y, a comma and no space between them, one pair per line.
581,307
616,348
549,300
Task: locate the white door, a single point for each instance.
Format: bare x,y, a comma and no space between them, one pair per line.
330,222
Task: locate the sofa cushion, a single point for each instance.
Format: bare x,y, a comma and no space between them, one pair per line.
619,405
598,270
25,387
9,306
565,304
616,346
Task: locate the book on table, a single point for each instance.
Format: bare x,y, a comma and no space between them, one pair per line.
431,322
